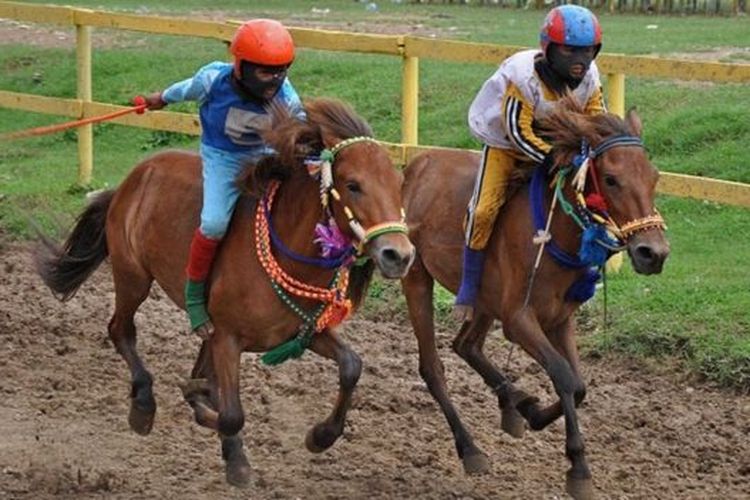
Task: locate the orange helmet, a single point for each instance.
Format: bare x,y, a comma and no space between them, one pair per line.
262,41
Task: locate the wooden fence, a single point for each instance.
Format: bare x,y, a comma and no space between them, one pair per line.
409,48
646,6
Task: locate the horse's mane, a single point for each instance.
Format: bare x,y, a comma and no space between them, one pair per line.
567,124
564,127
328,121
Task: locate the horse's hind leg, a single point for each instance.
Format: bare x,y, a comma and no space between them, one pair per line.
323,434
131,289
468,344
418,285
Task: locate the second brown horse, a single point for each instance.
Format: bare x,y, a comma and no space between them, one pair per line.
437,191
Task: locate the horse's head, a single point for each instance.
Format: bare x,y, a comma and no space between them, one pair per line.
622,174
357,178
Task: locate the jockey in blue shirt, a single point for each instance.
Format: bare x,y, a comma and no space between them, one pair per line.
233,100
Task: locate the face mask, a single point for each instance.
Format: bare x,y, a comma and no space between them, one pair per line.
570,63
261,82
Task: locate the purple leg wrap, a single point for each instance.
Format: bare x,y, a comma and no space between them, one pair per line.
471,275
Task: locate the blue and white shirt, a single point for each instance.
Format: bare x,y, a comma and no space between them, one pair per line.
228,122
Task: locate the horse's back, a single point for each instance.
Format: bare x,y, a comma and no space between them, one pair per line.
153,215
437,188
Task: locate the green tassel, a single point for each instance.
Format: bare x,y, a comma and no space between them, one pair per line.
291,349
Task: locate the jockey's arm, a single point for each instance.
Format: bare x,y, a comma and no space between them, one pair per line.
518,113
595,104
195,88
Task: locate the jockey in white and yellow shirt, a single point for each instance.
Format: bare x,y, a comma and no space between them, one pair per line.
503,114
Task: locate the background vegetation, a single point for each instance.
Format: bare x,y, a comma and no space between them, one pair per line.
694,312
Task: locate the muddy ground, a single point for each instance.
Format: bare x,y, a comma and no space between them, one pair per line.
64,430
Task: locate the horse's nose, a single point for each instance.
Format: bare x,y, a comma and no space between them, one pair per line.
395,262
649,259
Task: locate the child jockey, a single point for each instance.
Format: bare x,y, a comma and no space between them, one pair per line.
233,100
502,116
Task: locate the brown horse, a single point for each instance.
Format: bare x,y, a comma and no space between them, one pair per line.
531,304
145,227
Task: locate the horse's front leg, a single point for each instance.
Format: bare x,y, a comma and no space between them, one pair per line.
469,344
418,286
327,344
200,391
525,329
563,339
225,354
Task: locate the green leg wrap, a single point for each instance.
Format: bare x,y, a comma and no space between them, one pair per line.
195,303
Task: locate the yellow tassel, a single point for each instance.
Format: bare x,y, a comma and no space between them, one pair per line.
614,263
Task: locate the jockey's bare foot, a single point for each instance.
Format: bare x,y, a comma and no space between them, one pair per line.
205,330
463,312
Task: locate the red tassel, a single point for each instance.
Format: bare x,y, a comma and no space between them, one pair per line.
596,201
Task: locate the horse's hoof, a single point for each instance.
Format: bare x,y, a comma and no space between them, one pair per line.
238,473
140,421
580,489
511,422
320,438
477,463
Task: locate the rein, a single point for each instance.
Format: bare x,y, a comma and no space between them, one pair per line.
335,305
138,108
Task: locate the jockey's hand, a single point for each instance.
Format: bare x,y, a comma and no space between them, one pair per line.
154,101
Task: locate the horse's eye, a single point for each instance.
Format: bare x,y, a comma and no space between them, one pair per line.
610,180
353,187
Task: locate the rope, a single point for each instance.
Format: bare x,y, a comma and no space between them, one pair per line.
338,306
50,129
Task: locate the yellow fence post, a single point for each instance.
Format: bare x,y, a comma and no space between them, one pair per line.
616,91
410,101
86,132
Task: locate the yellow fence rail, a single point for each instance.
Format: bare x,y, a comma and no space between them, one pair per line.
409,48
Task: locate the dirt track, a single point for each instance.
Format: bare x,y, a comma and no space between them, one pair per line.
64,431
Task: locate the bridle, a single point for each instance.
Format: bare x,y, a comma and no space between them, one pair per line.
585,163
328,191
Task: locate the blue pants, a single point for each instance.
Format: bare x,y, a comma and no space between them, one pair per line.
220,192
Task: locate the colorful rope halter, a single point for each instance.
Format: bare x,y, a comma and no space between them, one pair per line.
335,305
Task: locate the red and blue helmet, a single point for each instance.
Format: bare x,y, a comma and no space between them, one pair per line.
570,25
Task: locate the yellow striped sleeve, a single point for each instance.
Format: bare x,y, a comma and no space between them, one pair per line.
519,119
596,106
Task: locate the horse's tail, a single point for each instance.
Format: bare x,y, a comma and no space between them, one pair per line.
65,267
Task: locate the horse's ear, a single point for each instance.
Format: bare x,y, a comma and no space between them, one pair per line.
634,121
328,138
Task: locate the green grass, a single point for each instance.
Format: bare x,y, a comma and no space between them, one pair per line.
695,310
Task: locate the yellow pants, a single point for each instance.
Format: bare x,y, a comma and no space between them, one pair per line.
489,195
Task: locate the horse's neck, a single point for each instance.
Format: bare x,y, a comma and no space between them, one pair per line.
565,232
295,212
